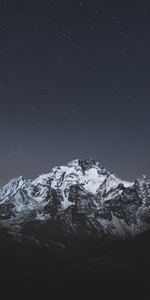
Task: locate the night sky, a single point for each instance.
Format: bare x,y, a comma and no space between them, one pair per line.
74,83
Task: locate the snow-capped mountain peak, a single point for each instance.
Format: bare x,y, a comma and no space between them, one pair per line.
87,173
82,194
11,188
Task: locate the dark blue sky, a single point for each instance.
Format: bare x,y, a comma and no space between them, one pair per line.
74,83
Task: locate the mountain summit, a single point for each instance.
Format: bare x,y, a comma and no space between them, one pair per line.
81,199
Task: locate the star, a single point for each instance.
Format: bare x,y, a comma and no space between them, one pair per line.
130,97
34,107
36,44
125,48
43,58
12,152
60,57
92,27
18,14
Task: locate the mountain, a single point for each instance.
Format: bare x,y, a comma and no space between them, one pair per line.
79,201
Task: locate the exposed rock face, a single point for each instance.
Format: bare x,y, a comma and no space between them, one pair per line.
79,200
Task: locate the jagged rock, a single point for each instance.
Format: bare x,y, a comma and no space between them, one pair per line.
79,200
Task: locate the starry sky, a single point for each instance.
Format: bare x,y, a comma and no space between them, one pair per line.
74,83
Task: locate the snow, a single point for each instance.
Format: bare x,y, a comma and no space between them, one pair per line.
65,176
93,180
62,178
126,183
30,197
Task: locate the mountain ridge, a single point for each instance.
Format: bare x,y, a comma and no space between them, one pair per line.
81,200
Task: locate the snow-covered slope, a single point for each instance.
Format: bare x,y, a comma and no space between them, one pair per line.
89,174
83,195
